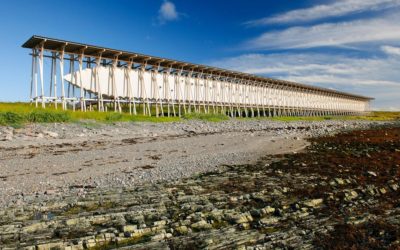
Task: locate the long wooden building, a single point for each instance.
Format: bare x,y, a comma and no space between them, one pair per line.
81,76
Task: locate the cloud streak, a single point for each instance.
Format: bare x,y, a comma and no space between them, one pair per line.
301,53
330,34
391,50
335,9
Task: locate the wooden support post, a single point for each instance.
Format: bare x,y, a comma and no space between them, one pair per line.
145,100
160,98
221,94
72,74
129,87
82,97
257,97
187,94
275,100
203,96
206,95
238,97
100,101
196,94
117,104
192,90
166,95
264,97
211,89
34,81
55,80
176,88
251,97
32,75
246,98
41,54
174,98
231,96
180,97
154,88
61,55
52,77
141,87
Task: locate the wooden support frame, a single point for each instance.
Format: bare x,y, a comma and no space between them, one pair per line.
195,87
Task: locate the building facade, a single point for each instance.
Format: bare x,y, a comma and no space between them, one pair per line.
87,77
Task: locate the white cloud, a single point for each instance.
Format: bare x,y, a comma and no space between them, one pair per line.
337,8
375,77
167,12
391,50
330,34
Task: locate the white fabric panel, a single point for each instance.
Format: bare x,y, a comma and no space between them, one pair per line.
190,89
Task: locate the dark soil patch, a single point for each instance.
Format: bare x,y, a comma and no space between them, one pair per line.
147,167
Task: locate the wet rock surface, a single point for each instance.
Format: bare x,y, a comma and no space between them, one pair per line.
343,192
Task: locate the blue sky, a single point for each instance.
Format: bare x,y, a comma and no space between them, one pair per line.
348,45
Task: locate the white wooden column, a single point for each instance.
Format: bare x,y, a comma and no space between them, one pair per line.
117,104
180,97
61,58
82,97
34,81
239,95
207,93
53,80
131,97
41,56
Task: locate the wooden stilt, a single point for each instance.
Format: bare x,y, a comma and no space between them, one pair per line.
195,87
41,54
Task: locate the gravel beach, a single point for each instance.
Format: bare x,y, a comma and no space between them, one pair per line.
47,160
342,187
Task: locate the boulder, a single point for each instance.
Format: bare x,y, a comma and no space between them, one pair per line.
129,228
201,225
313,203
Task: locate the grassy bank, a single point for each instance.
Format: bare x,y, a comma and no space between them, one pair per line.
17,114
373,116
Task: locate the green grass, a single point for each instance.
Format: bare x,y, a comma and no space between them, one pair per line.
10,118
17,114
301,118
373,116
376,116
293,118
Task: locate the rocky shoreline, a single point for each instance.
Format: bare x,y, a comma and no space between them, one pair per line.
46,160
296,200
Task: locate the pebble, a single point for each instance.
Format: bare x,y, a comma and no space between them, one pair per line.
51,134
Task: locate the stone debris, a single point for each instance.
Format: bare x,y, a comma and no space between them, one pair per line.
50,134
301,201
313,203
130,154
